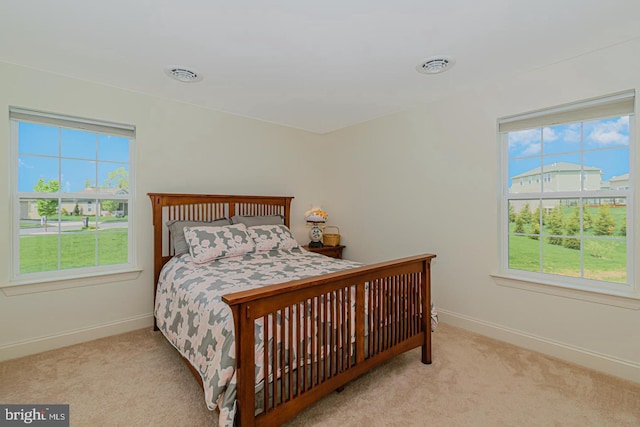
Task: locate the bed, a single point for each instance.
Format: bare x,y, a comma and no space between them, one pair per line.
271,328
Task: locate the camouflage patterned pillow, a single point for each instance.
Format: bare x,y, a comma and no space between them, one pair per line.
270,237
209,243
176,227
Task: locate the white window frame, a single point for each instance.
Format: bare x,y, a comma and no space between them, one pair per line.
598,108
72,277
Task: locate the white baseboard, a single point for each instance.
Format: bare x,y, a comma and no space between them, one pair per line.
51,342
600,362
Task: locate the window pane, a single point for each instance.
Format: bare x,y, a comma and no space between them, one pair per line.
113,148
614,165
113,178
78,236
78,144
606,133
603,217
524,234
38,235
114,233
524,176
32,169
524,143
524,253
38,252
605,260
78,175
557,219
562,139
561,257
37,139
524,216
562,173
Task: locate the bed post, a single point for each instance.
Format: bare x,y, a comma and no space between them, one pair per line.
426,311
156,202
287,211
245,362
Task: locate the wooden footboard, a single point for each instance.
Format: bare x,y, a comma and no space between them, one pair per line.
351,321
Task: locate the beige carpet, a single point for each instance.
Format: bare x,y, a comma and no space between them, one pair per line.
137,379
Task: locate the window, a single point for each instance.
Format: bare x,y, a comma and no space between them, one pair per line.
573,228
72,198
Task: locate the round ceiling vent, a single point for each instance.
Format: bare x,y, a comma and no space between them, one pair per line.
183,74
435,65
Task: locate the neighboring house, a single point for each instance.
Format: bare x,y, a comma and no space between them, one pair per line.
564,176
556,177
619,182
86,205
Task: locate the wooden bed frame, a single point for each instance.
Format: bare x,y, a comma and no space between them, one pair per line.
362,316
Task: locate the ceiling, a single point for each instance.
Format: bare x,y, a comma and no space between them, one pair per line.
318,66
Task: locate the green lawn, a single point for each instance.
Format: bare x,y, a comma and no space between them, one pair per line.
604,260
39,252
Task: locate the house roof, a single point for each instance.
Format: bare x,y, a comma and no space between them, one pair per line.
557,167
624,177
102,190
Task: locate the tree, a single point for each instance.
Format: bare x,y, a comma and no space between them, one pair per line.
519,228
555,222
604,223
525,213
573,229
623,226
536,216
110,205
118,178
47,207
535,230
587,221
512,213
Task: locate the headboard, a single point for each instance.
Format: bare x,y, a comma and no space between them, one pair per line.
204,207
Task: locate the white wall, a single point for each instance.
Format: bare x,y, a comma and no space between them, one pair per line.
179,148
426,180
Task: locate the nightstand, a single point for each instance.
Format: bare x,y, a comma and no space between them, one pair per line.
331,251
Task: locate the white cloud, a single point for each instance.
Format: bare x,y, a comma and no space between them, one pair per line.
572,133
562,134
549,134
533,148
609,132
524,139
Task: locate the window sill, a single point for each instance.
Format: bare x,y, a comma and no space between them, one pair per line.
54,284
630,301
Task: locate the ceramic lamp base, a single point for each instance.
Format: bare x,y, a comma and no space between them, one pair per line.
315,234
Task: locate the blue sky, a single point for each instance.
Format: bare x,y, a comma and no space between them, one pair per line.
606,146
71,156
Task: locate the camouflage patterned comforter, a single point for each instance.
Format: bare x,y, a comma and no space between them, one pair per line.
191,314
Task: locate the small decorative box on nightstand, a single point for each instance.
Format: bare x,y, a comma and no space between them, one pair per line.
332,251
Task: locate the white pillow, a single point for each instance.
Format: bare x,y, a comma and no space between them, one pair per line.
270,237
208,243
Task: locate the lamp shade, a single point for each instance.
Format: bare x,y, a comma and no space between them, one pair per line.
315,215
